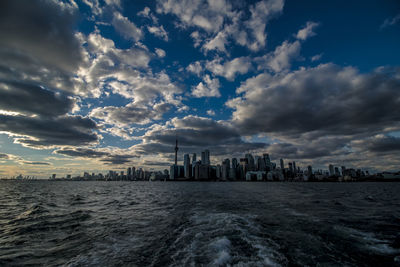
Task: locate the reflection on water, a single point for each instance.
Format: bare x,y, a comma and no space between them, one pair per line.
206,224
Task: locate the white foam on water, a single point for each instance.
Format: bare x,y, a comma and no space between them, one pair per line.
224,239
369,241
103,252
222,247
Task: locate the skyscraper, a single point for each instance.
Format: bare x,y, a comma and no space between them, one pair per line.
234,163
250,161
186,165
267,161
282,165
207,152
331,170
176,151
129,172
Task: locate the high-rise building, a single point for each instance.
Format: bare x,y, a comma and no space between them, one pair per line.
250,161
133,172
205,157
294,167
337,173
234,163
176,152
282,165
309,171
225,169
267,161
207,152
129,172
194,158
201,171
331,170
186,165
218,171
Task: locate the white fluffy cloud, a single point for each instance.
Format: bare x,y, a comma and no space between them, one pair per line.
307,31
160,53
229,69
220,22
126,28
208,88
281,58
158,31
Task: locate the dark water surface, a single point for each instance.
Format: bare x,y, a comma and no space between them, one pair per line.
199,224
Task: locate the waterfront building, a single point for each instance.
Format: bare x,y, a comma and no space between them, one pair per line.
187,166
331,170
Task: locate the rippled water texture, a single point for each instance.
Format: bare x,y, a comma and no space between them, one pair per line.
199,224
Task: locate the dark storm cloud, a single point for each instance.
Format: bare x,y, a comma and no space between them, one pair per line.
379,144
321,147
117,159
32,99
82,152
44,132
35,163
38,44
43,29
4,156
327,99
104,156
195,134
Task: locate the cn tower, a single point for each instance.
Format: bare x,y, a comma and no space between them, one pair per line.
176,152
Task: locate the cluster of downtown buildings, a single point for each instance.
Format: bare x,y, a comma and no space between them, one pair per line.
256,168
248,168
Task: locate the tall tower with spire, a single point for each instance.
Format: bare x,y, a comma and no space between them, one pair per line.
176,151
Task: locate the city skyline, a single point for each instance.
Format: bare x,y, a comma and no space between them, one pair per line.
99,85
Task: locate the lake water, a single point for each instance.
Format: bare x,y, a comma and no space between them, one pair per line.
57,223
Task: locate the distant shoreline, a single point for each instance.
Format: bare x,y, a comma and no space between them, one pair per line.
201,181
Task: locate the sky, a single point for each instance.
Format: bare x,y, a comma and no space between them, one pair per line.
98,85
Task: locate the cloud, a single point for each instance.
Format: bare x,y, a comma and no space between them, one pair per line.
327,99
261,12
229,69
145,12
194,135
125,72
316,57
130,114
126,28
211,112
208,88
208,15
45,132
281,58
219,22
81,152
158,31
107,156
33,99
307,31
38,44
195,67
378,144
117,159
390,21
36,163
25,25
160,53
